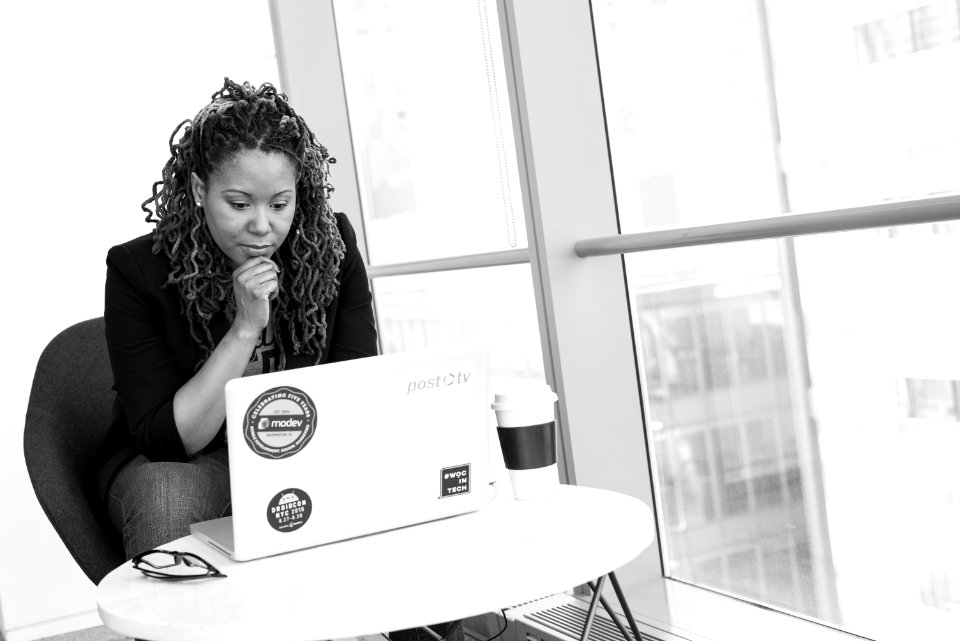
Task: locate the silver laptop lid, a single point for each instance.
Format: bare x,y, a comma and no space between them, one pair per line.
345,449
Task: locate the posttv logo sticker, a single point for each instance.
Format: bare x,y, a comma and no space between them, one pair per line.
437,382
280,422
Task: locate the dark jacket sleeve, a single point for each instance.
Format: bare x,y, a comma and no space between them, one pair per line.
146,374
354,329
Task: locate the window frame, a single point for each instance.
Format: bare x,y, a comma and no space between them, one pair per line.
308,55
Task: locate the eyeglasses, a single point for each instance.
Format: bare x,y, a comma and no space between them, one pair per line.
174,566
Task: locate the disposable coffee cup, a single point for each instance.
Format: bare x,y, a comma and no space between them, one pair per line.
528,438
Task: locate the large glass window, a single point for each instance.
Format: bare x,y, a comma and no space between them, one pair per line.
490,306
710,105
431,128
437,171
801,394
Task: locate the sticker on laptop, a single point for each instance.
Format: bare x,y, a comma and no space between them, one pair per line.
289,510
455,480
280,422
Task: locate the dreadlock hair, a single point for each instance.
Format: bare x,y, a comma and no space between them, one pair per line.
240,117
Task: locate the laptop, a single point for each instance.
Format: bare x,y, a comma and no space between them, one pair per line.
341,450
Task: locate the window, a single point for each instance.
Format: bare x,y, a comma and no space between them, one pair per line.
779,376
854,134
489,306
906,32
431,128
438,179
930,398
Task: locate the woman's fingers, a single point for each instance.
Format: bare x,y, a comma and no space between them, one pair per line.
254,266
257,277
255,283
254,280
265,289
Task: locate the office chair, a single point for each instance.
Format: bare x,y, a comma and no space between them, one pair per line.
67,418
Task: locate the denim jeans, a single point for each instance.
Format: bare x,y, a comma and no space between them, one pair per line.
152,504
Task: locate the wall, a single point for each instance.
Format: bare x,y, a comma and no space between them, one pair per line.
92,92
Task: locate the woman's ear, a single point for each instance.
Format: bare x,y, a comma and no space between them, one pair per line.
197,187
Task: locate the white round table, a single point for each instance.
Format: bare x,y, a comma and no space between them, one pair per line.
507,553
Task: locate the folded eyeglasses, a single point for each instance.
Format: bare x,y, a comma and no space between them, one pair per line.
174,566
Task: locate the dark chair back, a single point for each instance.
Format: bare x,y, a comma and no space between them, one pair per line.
67,418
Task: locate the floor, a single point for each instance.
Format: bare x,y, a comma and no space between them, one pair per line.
92,634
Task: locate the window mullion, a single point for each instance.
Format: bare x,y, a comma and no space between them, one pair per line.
567,185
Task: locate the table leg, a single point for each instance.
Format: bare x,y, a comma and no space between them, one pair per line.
626,608
616,619
593,608
598,596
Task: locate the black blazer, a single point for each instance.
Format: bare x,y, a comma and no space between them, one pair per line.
152,353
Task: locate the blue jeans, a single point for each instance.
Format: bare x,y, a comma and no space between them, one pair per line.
152,504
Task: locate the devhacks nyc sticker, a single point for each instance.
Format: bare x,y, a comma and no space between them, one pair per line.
280,422
289,510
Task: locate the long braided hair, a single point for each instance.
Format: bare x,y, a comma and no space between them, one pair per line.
241,117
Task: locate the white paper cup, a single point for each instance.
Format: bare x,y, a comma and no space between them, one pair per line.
528,436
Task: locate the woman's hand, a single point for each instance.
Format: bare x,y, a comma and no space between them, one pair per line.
198,406
255,282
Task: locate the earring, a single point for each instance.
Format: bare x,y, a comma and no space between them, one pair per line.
198,204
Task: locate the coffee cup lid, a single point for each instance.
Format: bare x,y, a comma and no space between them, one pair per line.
534,395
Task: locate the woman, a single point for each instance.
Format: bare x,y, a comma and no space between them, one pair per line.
248,270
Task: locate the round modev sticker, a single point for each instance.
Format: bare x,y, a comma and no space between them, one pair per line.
289,510
280,422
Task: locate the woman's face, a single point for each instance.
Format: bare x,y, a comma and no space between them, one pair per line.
248,203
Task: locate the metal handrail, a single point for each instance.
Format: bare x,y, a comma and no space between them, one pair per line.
472,261
929,210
